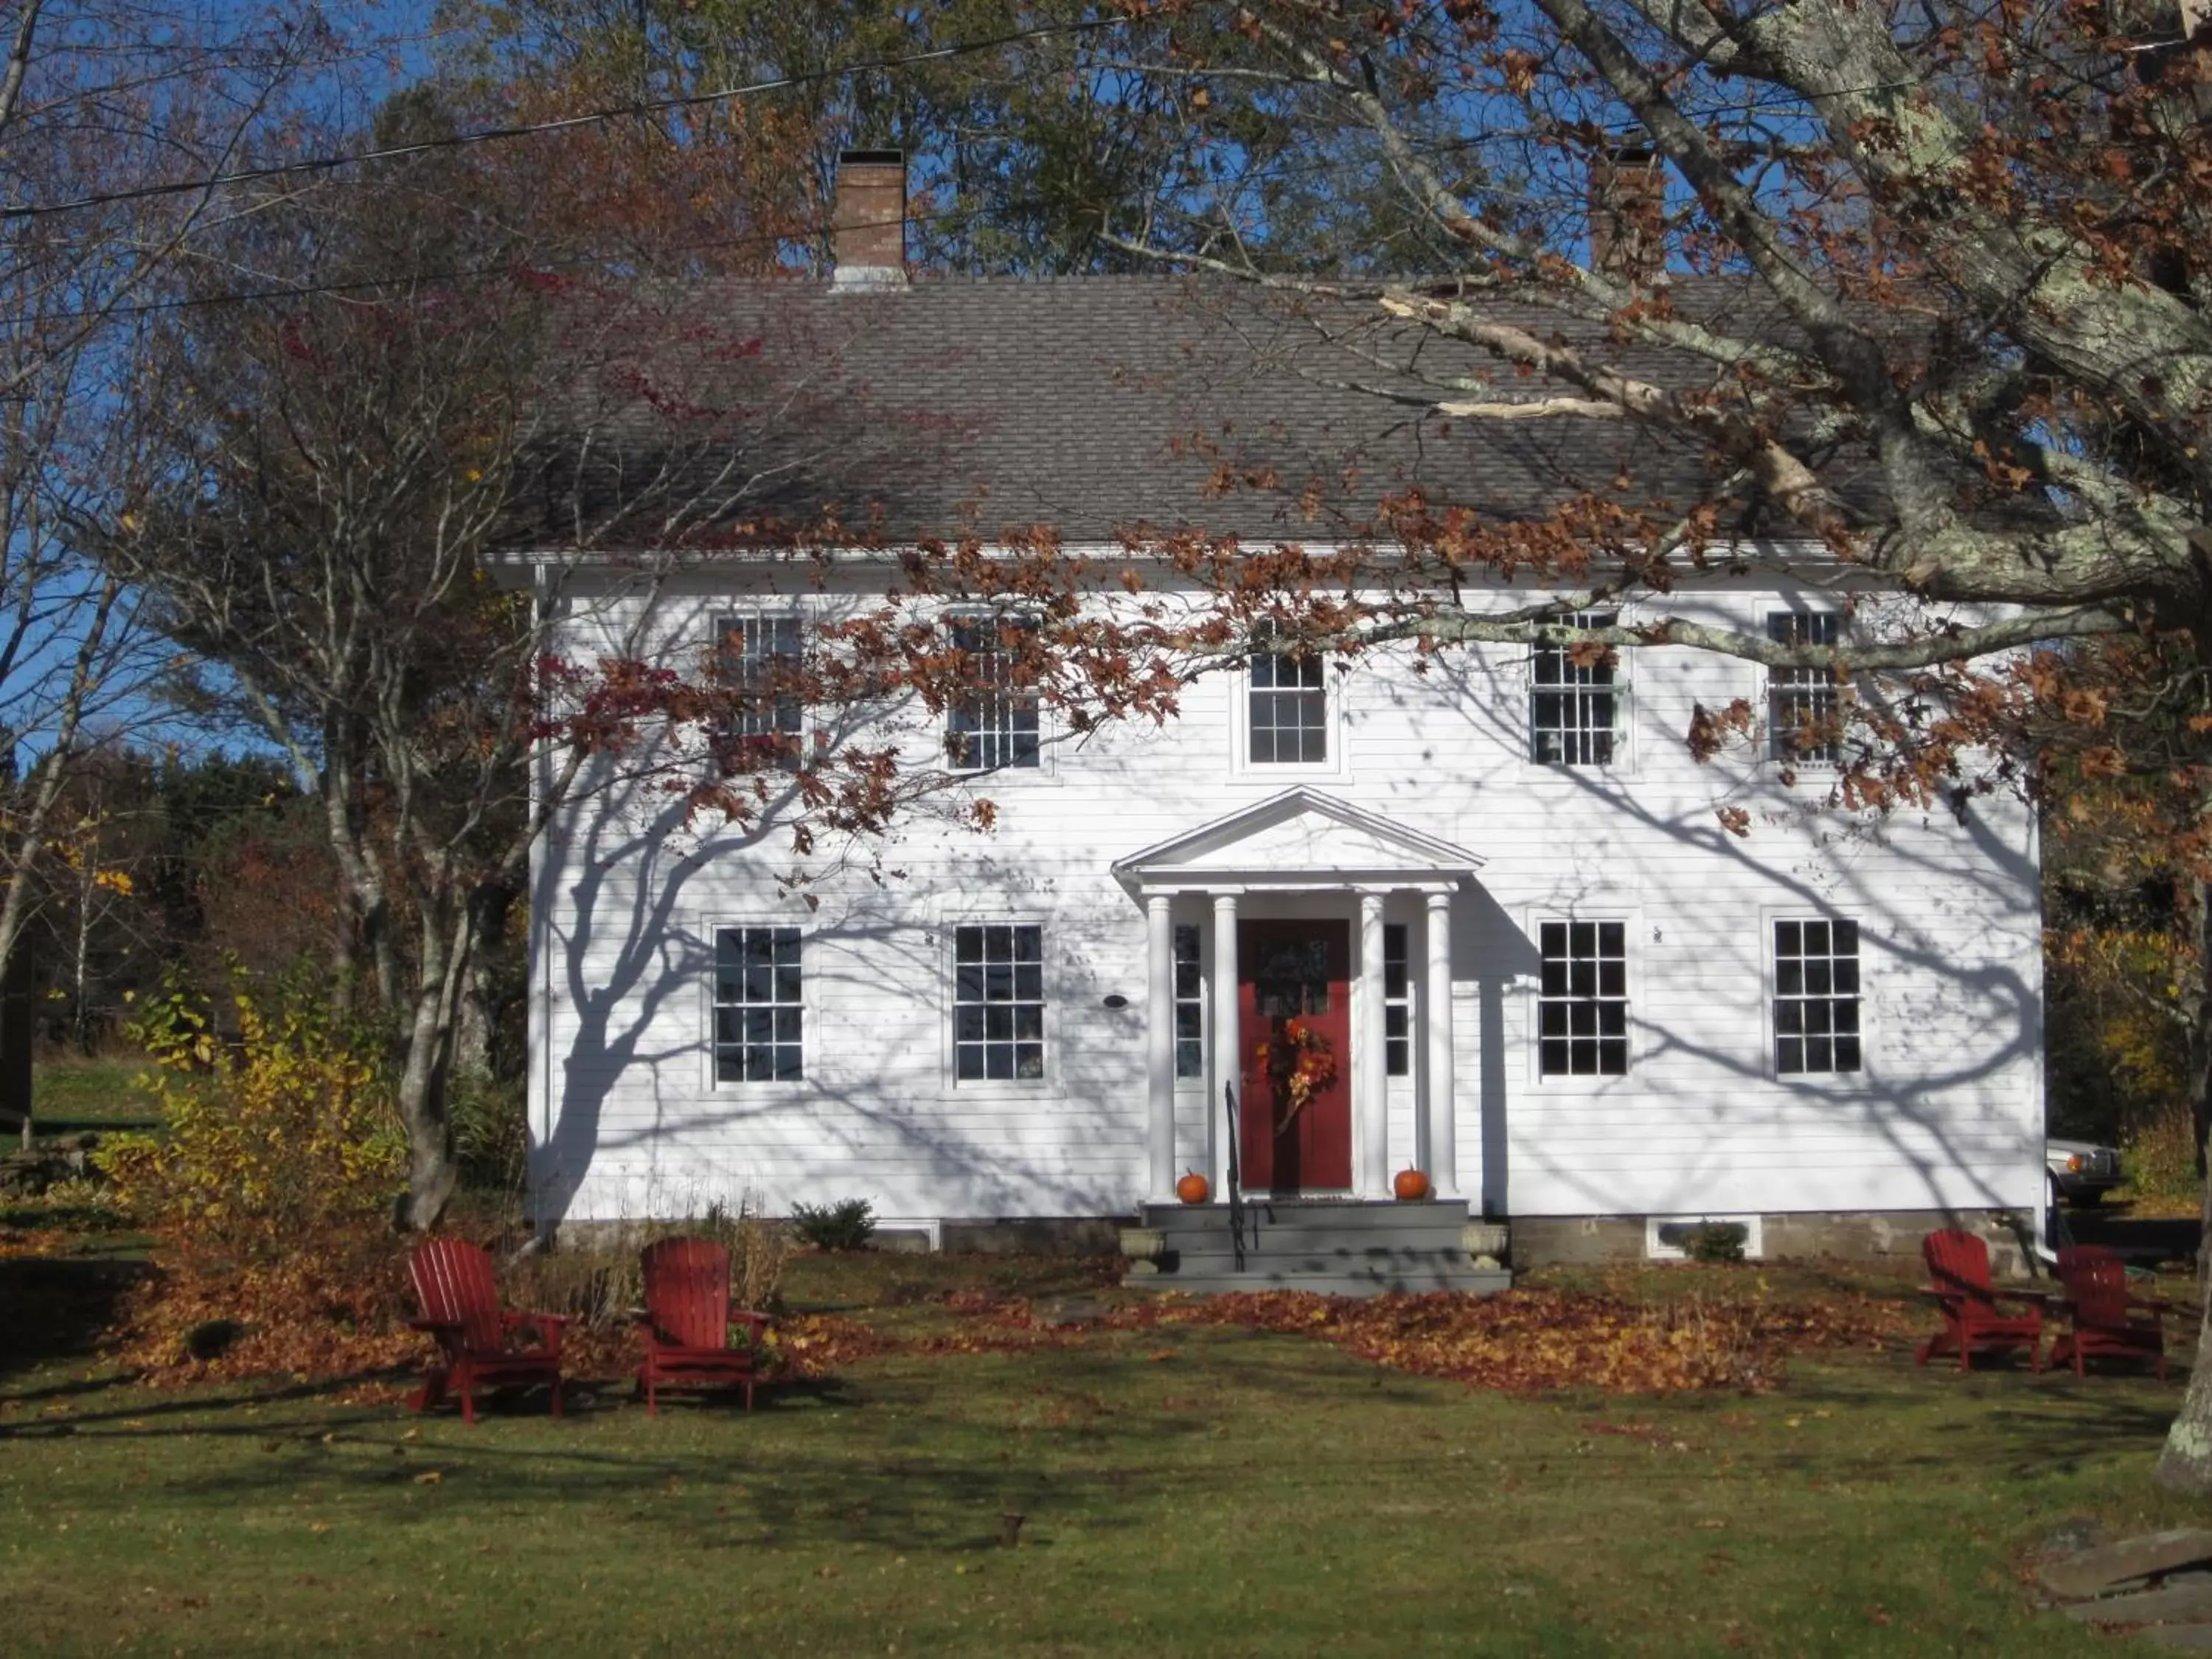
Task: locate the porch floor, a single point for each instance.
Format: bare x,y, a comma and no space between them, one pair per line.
1338,1247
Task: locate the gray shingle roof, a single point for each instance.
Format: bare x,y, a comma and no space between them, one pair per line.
1098,405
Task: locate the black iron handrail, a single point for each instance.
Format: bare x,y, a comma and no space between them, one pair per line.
1236,1180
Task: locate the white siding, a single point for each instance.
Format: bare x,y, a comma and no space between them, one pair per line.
1947,1111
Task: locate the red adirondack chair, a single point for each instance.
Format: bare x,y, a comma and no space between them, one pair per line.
1959,1264
461,1310
2100,1312
686,1320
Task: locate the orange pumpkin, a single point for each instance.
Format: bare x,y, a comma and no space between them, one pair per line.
1193,1188
1410,1185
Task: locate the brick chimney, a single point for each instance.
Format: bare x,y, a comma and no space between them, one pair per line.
1627,212
867,230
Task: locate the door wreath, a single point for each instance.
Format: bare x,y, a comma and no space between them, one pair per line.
1299,1065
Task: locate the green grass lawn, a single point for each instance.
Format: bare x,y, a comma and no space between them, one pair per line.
74,1091
1185,1490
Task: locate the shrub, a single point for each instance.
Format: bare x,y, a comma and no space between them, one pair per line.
285,1133
1715,1241
758,1247
600,1280
597,1283
847,1224
2159,1161
491,1134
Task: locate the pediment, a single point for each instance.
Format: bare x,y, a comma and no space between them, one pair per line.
1302,837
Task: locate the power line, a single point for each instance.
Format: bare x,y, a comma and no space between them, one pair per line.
589,117
448,275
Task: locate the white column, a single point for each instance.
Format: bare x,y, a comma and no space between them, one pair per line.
1438,1096
1226,1070
1371,1094
1160,1047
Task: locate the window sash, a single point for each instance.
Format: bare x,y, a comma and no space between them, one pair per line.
1816,996
998,1002
1189,1004
758,1006
1582,1004
1397,1002
1802,703
1287,710
1574,710
762,729
996,725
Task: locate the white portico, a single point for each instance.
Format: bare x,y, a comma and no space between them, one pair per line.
1303,857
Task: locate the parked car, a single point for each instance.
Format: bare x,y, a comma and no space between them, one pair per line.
2082,1172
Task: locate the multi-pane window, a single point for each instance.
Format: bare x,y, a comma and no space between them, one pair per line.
1581,1011
756,1005
998,1002
1816,997
1189,1004
1397,1002
1802,708
1574,708
1288,712
757,660
995,726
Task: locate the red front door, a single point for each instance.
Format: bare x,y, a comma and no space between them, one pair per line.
1295,1137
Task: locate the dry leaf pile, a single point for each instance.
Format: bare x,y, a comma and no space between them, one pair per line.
336,1313
1533,1341
332,1312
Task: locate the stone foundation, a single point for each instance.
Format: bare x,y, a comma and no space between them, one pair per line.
1037,1235
1883,1237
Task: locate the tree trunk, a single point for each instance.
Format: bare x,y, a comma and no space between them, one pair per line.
345,966
434,1169
80,970
477,1018
361,875
2185,1464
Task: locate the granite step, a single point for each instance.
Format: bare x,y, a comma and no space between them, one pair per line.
1481,1282
1349,1214
1337,1247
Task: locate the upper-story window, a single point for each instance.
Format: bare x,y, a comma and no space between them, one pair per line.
1816,997
757,659
995,726
1582,1010
1575,702
1286,717
1804,709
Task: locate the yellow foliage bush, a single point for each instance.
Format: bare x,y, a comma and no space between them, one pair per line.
2160,1160
291,1129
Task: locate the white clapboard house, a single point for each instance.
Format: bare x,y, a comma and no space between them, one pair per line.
1500,891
